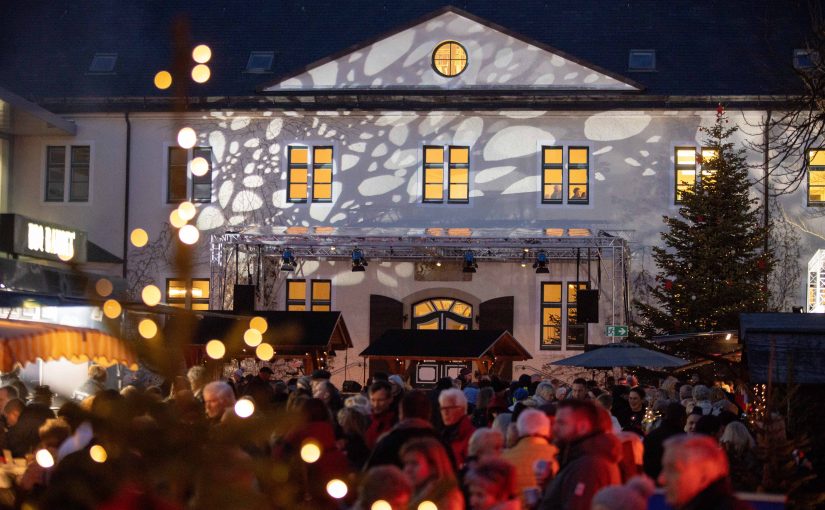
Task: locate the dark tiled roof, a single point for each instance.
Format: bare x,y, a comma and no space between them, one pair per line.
287,332
731,48
445,344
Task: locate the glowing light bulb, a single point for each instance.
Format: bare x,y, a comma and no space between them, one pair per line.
427,505
201,54
150,295
244,408
103,287
111,309
65,256
310,452
264,352
252,337
98,454
201,73
163,80
199,166
258,323
189,234
139,237
215,349
175,220
187,138
187,211
147,328
381,505
44,458
337,488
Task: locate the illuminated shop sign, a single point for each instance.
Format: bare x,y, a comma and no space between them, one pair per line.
24,236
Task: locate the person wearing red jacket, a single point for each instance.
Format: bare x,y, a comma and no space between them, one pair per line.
458,427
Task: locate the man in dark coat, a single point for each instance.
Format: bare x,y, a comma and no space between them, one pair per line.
695,475
589,458
673,423
414,422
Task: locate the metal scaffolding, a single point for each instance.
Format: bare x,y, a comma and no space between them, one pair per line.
254,253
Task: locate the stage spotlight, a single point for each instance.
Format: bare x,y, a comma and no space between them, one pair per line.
359,261
288,260
470,265
540,265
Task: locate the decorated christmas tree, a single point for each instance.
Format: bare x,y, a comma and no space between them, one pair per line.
713,265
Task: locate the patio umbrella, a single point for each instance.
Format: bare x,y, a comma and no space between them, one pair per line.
24,341
624,354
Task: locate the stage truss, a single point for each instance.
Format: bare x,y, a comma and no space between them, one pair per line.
253,256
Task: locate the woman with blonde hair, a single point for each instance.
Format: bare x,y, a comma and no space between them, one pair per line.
430,470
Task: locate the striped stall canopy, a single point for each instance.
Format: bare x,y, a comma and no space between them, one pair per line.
24,342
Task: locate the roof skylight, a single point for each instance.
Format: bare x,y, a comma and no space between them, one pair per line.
642,60
260,61
103,63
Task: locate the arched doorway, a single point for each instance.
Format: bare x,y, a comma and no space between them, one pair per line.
442,313
439,313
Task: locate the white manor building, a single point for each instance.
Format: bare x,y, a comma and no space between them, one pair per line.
538,145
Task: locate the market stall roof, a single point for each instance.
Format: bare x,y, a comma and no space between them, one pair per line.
623,354
784,347
288,332
25,342
446,345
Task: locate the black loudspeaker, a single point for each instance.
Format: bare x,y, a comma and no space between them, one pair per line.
243,299
587,306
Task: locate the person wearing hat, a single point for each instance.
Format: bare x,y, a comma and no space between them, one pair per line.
260,389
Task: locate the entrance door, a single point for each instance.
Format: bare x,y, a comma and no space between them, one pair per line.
440,314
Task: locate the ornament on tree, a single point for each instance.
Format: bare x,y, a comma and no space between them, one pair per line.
668,284
761,264
700,218
720,110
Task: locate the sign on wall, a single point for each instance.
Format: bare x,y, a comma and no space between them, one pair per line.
20,235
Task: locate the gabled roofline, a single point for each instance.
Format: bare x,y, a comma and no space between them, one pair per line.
428,17
37,112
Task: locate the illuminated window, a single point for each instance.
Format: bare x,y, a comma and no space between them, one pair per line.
449,59
299,179
75,178
816,177
705,172
296,295
442,313
685,159
321,296
457,169
578,186
194,296
551,308
181,184
576,333
552,170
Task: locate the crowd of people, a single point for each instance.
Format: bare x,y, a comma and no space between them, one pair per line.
472,442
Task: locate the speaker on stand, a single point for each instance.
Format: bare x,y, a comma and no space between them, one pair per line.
587,306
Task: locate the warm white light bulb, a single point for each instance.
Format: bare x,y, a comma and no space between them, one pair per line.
189,234
187,138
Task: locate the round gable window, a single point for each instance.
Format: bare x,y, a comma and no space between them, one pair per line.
449,59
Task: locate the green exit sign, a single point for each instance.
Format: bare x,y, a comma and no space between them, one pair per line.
616,330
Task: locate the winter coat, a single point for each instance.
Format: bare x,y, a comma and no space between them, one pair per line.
457,436
380,424
524,455
716,496
587,464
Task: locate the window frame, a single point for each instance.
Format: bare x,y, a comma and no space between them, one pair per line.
259,70
545,167
69,170
313,303
310,167
447,167
578,166
683,167
289,301
450,60
562,316
188,302
191,180
651,53
813,168
571,304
